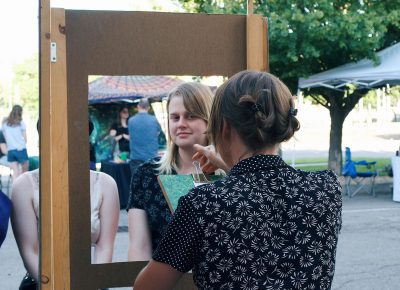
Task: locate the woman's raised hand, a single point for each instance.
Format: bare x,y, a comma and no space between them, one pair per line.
209,160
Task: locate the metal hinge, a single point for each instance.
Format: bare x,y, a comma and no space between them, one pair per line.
53,52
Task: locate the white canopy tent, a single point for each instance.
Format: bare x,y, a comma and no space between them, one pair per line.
363,73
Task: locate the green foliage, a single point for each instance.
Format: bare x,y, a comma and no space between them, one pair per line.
370,99
395,92
27,80
308,37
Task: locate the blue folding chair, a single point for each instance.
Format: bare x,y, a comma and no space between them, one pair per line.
360,172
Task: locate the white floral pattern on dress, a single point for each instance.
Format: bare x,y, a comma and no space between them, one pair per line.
145,193
264,226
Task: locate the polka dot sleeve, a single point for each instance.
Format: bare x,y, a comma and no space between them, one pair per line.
180,243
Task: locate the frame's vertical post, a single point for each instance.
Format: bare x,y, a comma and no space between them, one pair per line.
250,8
59,154
45,228
257,40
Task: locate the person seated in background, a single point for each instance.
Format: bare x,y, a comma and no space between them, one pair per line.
265,225
104,216
3,151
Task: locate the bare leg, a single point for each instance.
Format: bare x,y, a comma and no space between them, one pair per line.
16,170
25,166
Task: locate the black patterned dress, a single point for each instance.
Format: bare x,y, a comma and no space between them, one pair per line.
265,226
145,193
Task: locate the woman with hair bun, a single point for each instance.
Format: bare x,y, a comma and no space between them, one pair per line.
265,225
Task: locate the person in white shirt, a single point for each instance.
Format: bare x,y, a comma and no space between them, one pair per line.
14,131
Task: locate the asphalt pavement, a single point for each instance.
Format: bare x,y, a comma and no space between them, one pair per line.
368,255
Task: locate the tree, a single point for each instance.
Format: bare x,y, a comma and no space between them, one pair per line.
307,37
27,79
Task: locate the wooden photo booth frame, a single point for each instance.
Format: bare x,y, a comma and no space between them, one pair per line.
76,44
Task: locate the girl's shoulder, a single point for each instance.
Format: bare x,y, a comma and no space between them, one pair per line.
100,176
25,184
151,164
102,180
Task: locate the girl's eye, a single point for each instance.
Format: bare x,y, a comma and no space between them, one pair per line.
174,118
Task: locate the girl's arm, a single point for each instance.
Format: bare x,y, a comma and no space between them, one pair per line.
113,133
24,224
3,148
109,216
157,276
140,247
25,138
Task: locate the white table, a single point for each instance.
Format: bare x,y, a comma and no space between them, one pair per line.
396,178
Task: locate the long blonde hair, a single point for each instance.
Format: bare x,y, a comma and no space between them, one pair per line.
197,99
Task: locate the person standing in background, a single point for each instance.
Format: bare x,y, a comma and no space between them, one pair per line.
119,130
143,131
14,130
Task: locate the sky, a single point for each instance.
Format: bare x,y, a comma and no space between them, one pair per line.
19,24
18,32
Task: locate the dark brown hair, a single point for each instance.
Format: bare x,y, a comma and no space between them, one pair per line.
257,105
123,107
15,116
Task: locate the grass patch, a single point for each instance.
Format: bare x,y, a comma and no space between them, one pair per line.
315,164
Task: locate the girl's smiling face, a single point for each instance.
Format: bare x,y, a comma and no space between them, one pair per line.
185,128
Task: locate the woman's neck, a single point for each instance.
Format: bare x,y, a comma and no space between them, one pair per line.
265,151
123,122
185,162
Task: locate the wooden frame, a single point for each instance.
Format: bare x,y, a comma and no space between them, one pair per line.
45,250
115,43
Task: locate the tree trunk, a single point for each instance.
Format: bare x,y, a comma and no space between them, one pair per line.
339,104
335,140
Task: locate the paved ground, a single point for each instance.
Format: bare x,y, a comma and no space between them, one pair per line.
368,255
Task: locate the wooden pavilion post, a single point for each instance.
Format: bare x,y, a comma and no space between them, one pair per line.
257,40
59,154
54,187
45,229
